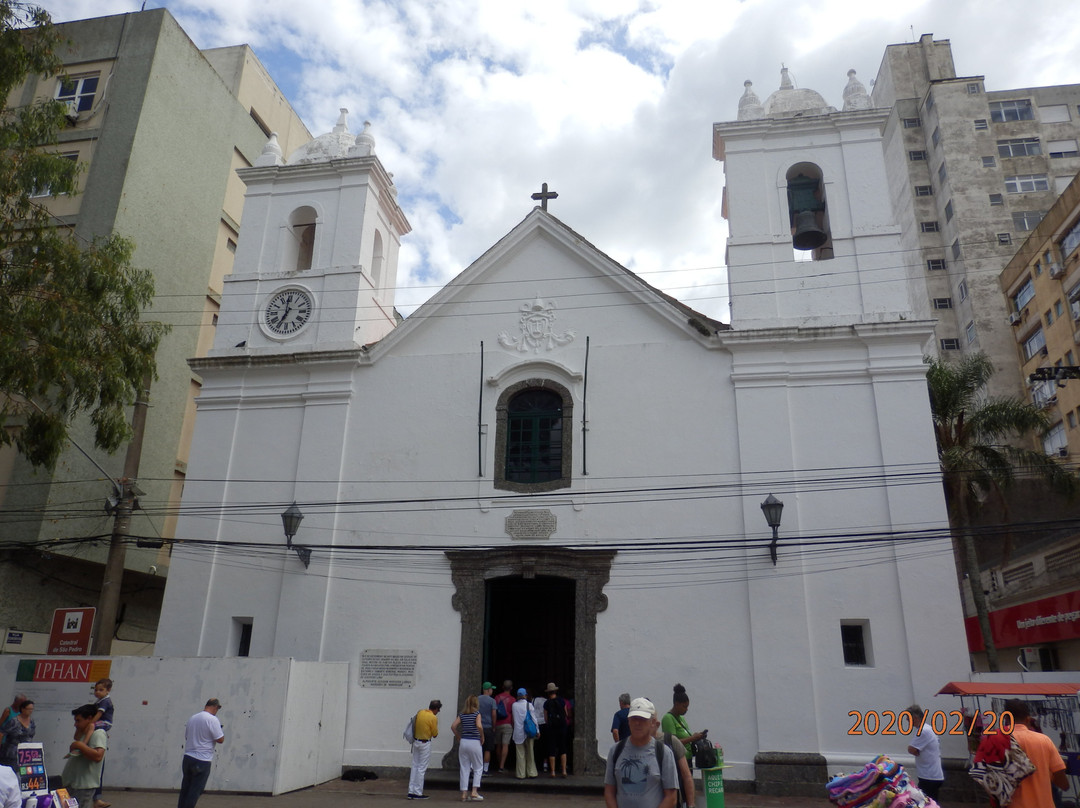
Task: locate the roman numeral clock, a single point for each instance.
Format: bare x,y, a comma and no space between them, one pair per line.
287,312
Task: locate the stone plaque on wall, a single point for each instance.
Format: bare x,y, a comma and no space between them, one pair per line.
532,524
381,667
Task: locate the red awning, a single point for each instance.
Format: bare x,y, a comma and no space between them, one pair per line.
1010,689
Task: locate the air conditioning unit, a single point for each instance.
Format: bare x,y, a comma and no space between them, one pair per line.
72,111
1014,319
1051,401
1045,351
1031,659
1056,270
1063,451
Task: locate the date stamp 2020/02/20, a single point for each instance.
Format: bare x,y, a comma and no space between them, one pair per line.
954,722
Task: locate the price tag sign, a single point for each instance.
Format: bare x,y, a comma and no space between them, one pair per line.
30,767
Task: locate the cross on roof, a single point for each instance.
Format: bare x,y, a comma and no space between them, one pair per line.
543,195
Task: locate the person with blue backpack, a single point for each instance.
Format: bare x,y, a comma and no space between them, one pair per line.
524,736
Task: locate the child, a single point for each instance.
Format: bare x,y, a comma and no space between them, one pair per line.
103,720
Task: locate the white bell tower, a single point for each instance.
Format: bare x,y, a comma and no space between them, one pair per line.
814,240
316,261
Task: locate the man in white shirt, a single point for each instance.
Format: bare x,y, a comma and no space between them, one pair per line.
10,793
926,748
201,733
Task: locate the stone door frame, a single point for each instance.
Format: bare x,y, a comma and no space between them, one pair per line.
590,571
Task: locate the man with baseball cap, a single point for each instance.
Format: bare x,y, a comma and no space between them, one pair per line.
487,721
641,771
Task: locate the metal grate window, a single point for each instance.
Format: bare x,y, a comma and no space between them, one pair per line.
534,437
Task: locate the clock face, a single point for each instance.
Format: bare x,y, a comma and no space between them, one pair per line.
287,312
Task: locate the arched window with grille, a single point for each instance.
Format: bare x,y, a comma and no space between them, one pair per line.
533,439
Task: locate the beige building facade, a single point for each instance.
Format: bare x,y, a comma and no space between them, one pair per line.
159,129
972,171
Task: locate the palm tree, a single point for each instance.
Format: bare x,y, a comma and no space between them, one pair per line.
972,430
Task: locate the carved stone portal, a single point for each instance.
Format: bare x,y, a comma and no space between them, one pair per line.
590,570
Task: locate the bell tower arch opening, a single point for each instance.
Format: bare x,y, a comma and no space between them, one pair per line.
808,212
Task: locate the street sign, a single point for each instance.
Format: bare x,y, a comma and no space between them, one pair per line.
71,629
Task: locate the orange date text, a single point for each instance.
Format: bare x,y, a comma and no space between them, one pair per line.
954,722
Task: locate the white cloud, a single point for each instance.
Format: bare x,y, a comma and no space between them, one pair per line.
474,103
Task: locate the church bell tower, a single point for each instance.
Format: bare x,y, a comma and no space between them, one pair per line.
316,260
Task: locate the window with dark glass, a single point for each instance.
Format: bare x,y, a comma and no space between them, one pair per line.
534,437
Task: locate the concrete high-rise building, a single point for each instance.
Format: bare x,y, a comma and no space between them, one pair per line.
971,172
158,128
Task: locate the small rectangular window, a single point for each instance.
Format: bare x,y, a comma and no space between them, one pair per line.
1027,219
950,344
1054,113
942,173
1004,239
1019,147
1049,317
997,199
1027,183
46,190
855,640
78,92
969,331
989,161
934,264
241,636
1062,148
948,211
936,137
973,88
1038,268
1034,344
1004,111
961,291
1071,416
916,154
929,227
981,124
924,190
956,250
929,100
912,123
1023,295
942,302
1059,309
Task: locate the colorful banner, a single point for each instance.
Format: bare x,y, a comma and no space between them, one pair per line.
1050,619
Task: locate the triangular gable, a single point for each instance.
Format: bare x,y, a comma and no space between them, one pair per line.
541,223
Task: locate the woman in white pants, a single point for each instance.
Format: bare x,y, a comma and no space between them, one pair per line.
470,734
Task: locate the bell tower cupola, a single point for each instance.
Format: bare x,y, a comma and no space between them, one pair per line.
316,260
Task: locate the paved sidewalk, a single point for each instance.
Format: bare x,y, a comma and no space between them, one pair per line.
390,793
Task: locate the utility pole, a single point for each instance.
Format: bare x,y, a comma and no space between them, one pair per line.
109,602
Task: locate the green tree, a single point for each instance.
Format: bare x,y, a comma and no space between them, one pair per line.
71,338
972,431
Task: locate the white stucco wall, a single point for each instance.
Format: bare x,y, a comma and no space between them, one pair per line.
283,720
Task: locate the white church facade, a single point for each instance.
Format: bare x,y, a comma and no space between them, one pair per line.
551,471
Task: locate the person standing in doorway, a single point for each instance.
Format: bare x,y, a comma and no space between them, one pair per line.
487,720
504,724
425,730
524,762
926,748
557,728
201,734
620,726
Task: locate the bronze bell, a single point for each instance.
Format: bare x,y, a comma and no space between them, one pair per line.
808,236
803,204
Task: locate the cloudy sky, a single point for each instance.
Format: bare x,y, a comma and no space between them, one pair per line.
474,103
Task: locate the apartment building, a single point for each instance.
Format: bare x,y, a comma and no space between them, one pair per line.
972,171
159,128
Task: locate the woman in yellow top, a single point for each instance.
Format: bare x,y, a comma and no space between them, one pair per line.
674,721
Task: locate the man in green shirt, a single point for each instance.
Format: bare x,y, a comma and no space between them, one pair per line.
82,772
